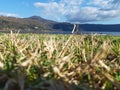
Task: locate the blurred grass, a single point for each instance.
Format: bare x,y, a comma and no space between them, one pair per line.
29,59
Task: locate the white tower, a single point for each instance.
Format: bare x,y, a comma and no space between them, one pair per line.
75,28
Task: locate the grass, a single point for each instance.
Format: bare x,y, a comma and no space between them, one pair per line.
27,60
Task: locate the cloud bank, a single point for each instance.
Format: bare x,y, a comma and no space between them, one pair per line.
8,14
81,11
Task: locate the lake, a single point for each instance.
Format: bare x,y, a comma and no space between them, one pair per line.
66,32
104,33
86,32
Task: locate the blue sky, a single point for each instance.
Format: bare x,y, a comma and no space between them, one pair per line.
74,11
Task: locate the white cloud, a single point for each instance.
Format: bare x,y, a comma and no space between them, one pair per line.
8,14
81,10
39,4
100,3
89,14
58,10
51,9
71,2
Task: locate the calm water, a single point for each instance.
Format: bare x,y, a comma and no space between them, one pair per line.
69,32
87,32
105,33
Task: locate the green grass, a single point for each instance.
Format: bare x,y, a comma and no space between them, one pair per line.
30,59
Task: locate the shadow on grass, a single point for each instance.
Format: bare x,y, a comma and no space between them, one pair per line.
17,80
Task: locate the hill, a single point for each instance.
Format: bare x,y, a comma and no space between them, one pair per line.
89,27
31,24
36,24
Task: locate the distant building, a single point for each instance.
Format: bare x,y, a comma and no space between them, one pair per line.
35,27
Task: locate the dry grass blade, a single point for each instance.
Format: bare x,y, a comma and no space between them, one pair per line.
50,47
57,71
104,65
1,65
64,47
112,80
100,54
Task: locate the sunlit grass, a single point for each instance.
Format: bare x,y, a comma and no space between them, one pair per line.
30,59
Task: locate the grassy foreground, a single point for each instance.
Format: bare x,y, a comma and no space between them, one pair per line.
87,61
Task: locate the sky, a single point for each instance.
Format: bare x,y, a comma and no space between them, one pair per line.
74,11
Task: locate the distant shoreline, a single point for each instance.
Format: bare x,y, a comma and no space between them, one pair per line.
61,32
